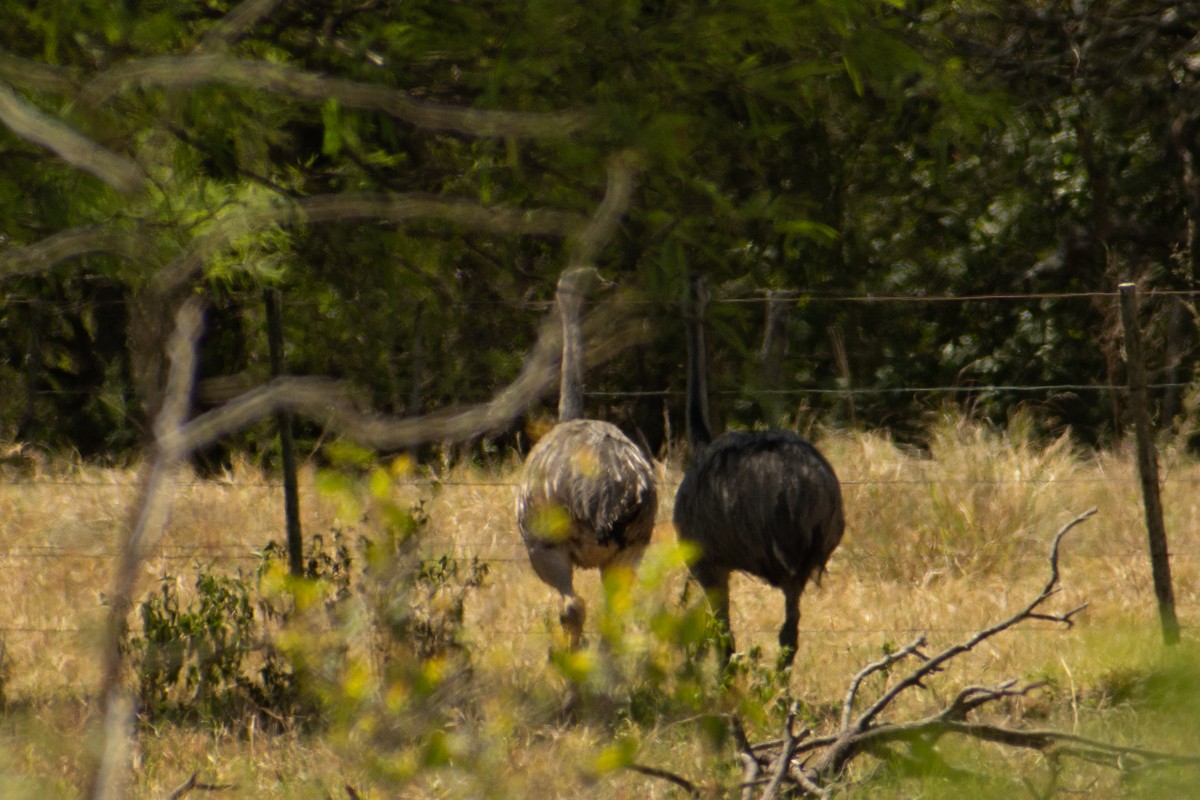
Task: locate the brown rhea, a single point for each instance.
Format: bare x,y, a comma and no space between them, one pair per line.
587,496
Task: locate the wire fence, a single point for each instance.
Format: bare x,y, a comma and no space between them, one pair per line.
764,297
16,557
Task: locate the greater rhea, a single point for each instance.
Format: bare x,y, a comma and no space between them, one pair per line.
766,503
587,496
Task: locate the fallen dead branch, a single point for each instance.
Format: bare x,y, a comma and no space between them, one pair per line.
795,765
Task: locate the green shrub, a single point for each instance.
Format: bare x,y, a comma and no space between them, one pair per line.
287,649
209,659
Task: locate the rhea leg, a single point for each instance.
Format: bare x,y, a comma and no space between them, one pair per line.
553,565
789,634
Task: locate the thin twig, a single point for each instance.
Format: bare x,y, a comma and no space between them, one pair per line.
234,25
189,72
148,516
751,766
933,664
888,659
790,739
330,404
194,784
349,206
666,775
46,253
802,778
972,697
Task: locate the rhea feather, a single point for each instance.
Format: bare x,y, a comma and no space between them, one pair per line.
765,503
587,496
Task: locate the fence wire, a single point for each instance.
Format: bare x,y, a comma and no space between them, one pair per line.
17,557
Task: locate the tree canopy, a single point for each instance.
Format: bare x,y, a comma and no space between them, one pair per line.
412,177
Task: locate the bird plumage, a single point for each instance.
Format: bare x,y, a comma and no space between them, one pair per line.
766,503
762,502
594,489
587,496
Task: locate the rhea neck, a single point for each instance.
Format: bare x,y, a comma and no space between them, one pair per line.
570,394
699,434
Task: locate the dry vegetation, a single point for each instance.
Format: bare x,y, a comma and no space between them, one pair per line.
944,540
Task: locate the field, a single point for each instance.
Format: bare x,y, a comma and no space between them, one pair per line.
946,539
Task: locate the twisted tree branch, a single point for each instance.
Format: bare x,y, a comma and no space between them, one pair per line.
188,72
347,207
36,127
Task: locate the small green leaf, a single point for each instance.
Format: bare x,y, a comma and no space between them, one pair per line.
331,118
575,665
809,229
380,483
616,756
855,76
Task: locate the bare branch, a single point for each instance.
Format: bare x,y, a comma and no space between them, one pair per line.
1043,740
933,664
194,783
184,787
882,664
110,238
35,126
972,697
328,402
112,771
360,206
857,734
808,784
187,72
64,245
36,76
786,751
148,516
656,772
751,769
817,777
751,766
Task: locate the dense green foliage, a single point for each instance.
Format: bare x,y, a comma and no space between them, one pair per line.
825,150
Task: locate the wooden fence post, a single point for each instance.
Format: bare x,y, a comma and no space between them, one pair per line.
287,447
1147,458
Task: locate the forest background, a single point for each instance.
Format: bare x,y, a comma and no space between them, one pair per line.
407,175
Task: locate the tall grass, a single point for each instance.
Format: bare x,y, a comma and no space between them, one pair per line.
944,539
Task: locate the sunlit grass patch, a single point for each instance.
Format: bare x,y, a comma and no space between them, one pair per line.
942,540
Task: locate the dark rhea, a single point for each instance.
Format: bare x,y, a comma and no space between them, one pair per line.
765,503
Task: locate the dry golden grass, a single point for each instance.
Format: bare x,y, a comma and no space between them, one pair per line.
945,540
